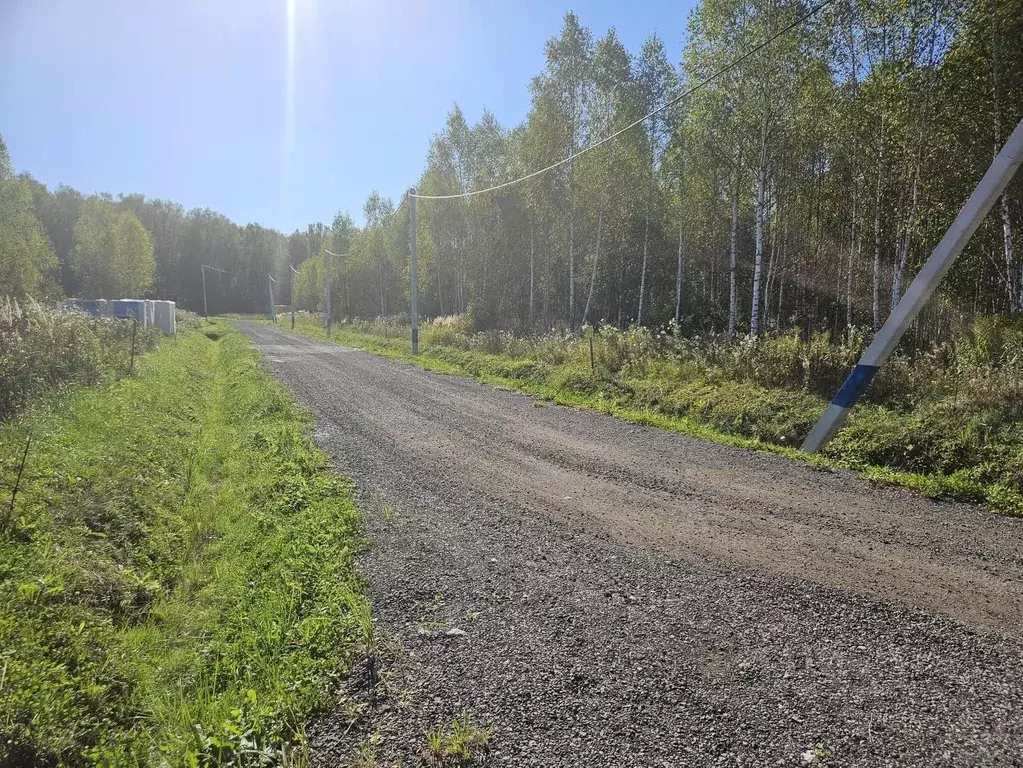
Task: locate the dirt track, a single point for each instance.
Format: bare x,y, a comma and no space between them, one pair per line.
635,597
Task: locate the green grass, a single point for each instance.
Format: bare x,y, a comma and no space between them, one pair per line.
981,442
461,744
177,582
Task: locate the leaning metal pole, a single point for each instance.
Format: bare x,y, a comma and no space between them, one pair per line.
997,178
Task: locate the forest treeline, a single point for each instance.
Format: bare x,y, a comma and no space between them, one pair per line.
801,189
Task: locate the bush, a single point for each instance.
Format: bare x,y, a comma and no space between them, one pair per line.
42,349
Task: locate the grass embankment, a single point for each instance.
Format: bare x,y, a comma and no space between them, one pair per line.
176,582
948,423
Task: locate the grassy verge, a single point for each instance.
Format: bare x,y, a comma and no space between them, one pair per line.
894,445
176,581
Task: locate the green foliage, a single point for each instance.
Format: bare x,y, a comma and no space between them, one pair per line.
45,349
112,255
847,145
27,261
177,585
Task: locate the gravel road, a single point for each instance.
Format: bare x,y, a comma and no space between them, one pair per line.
634,597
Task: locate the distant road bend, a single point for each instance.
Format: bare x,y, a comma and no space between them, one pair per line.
635,597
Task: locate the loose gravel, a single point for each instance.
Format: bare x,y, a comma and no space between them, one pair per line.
629,596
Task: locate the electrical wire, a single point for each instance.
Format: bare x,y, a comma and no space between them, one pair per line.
671,102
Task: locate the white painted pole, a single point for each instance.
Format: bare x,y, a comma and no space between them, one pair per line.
413,271
997,178
326,280
205,308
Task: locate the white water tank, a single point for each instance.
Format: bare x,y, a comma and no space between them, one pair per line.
163,316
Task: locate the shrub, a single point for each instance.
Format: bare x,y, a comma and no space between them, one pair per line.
42,349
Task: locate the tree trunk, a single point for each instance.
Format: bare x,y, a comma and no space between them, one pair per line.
734,254
781,280
907,235
678,276
571,269
877,232
854,239
440,285
593,272
1015,291
547,284
642,274
772,263
851,264
621,275
532,258
758,260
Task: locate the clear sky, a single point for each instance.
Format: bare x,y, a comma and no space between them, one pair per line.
192,101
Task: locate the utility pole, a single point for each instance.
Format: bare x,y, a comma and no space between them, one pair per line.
205,308
326,279
270,289
292,302
413,272
326,263
990,188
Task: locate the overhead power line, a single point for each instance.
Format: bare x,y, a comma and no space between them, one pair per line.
671,102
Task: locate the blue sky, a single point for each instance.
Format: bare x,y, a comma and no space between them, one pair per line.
188,100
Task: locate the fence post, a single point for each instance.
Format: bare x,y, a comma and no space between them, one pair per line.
997,178
134,330
17,481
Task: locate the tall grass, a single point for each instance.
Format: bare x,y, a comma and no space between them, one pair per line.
43,349
177,583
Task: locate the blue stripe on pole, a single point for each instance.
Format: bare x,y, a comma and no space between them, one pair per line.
854,386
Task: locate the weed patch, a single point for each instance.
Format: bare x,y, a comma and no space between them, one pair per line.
462,743
176,582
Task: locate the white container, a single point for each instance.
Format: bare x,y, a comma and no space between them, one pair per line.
164,316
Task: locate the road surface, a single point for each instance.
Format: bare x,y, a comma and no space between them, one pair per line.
631,596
